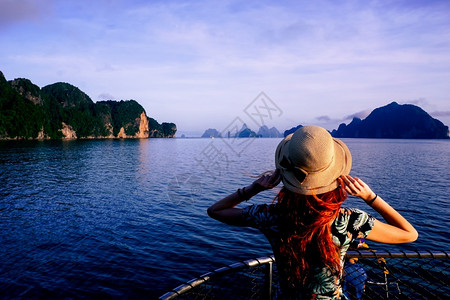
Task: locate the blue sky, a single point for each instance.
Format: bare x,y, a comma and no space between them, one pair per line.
200,63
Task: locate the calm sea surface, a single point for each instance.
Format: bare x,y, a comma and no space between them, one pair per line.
127,218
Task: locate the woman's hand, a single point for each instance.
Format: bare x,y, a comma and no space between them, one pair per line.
267,181
225,210
397,230
356,187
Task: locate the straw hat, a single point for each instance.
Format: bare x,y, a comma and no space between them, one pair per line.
310,161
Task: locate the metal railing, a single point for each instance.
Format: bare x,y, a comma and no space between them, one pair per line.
390,275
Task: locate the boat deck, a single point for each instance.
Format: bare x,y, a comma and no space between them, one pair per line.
399,275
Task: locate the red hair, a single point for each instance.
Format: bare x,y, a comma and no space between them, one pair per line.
305,233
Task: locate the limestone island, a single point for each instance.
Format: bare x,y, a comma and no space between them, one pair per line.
62,111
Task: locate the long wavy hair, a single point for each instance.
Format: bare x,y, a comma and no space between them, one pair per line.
305,233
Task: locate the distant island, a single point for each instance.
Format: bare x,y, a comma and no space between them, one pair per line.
62,111
211,133
244,132
393,121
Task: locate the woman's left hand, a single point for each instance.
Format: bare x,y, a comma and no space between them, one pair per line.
356,187
225,210
268,181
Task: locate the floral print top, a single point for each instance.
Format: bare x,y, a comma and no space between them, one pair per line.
350,224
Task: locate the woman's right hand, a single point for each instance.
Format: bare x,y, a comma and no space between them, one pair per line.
397,230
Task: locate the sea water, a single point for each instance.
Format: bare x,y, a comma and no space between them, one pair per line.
127,218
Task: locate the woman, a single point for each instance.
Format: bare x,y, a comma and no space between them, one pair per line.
308,230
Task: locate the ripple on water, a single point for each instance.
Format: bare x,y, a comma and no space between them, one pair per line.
127,219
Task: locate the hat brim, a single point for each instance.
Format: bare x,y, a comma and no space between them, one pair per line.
315,183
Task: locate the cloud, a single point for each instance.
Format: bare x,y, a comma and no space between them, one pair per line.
174,55
440,113
106,96
323,118
105,68
329,122
360,115
15,11
419,102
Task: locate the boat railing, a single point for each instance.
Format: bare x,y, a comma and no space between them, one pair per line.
388,275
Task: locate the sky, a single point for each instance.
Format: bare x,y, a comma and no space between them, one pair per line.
206,64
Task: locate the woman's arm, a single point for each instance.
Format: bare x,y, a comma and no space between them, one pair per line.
397,230
225,211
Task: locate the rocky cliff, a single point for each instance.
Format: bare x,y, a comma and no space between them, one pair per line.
211,133
141,133
265,132
62,111
67,133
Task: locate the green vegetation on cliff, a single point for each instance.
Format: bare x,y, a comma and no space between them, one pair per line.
18,115
121,114
75,108
26,111
169,129
157,130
